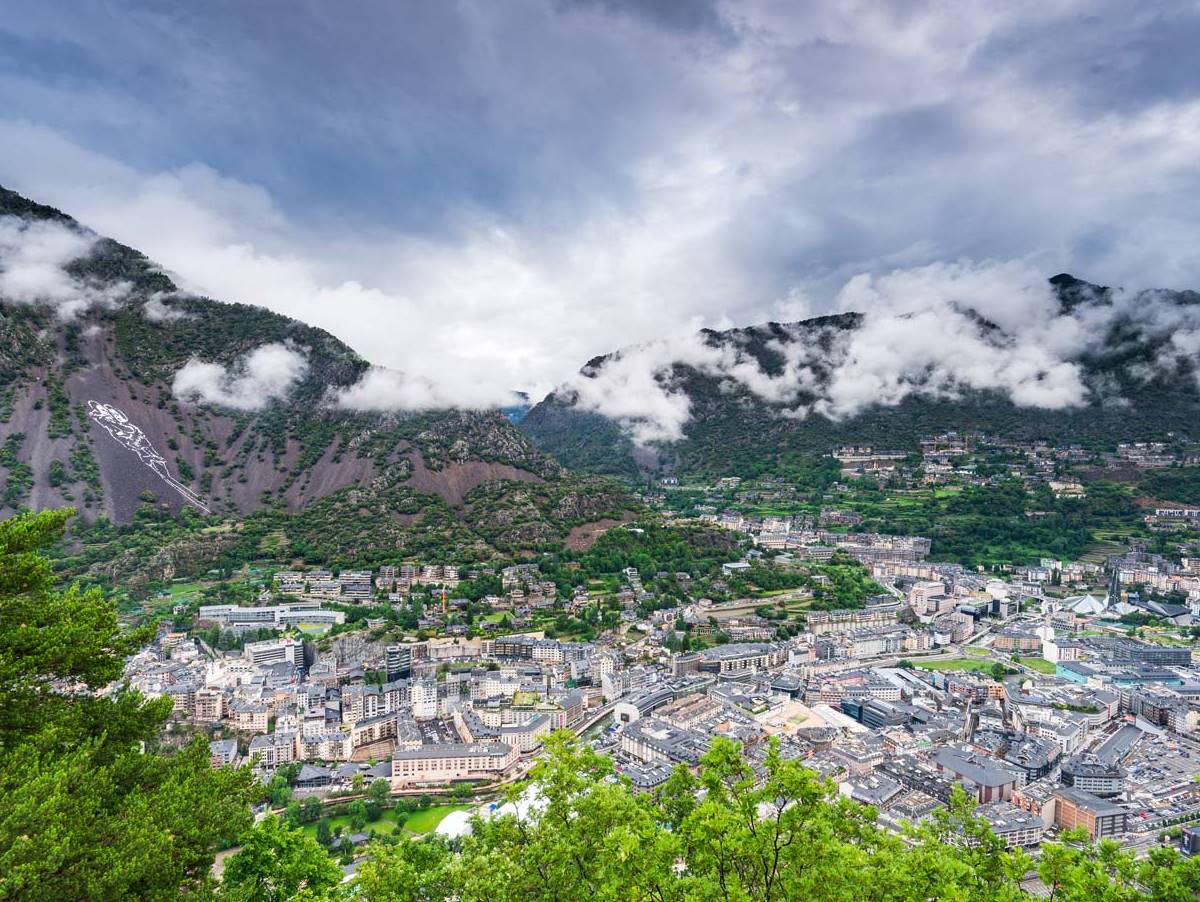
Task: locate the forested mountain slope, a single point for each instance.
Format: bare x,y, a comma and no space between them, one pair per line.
1128,375
126,398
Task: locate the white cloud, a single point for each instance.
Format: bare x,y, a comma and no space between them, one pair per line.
156,310
935,331
384,390
33,257
634,386
266,373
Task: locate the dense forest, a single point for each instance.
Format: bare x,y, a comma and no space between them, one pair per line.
1006,523
1181,484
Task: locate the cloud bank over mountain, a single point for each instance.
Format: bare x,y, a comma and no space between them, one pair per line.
482,195
34,267
935,331
382,390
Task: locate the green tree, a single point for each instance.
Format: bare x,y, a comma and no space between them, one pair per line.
774,831
275,863
92,809
310,809
410,871
358,814
291,814
379,791
324,834
279,791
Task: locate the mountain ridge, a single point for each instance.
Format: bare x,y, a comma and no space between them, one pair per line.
385,481
1138,386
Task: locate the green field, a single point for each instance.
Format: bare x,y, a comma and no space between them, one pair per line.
315,629
385,825
1041,665
427,820
418,822
971,664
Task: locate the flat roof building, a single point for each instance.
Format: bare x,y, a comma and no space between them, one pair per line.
1101,818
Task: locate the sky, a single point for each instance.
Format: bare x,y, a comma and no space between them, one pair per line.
486,195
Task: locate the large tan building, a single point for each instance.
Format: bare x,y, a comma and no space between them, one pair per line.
450,761
1101,818
209,705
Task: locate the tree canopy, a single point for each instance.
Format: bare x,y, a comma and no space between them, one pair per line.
736,831
92,809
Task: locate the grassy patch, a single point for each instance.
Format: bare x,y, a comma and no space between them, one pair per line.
965,664
418,822
1041,665
385,825
427,820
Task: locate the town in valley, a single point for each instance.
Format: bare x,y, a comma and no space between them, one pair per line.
1055,694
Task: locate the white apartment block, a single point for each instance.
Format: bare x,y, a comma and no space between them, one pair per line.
272,651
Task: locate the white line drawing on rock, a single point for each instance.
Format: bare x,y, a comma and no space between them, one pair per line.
118,425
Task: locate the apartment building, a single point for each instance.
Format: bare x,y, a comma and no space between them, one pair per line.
1101,818
273,651
446,762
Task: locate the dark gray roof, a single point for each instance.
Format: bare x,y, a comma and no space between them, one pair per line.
979,770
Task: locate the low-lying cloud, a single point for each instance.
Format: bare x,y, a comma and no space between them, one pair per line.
157,311
265,374
34,255
935,331
384,390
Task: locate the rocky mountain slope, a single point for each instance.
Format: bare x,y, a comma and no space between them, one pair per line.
1098,368
218,426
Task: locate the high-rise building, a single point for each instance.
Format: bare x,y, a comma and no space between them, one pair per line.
399,662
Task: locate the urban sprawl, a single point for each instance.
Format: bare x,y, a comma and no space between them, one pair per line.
1032,688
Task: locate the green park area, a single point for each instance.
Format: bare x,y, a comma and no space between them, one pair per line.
418,822
1041,665
978,665
428,819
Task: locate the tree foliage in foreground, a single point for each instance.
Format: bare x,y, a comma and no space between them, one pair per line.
91,810
739,833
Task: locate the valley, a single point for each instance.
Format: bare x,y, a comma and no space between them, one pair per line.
388,626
